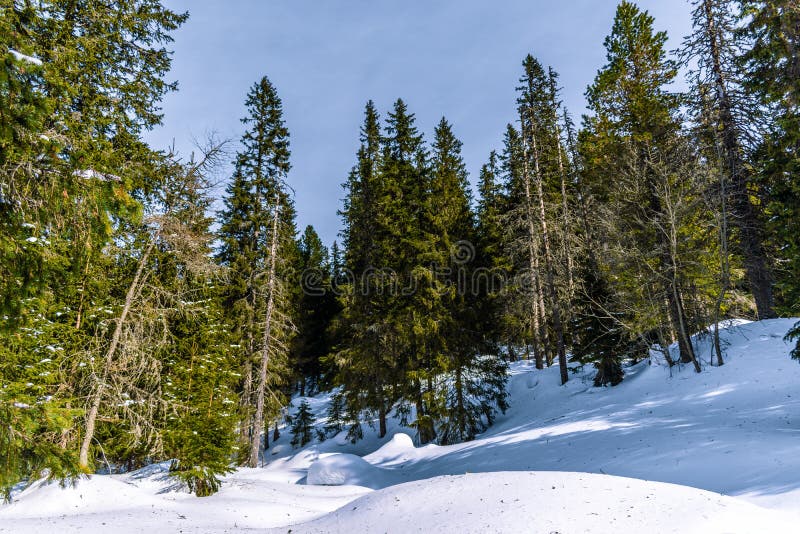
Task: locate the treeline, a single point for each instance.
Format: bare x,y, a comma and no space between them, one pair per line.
132,332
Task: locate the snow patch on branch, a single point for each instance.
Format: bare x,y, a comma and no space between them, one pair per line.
89,174
19,56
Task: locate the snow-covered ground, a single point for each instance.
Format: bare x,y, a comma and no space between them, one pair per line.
545,466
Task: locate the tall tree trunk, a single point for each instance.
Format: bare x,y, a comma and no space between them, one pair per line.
558,328
258,419
725,280
564,205
246,429
541,320
671,279
97,396
537,305
461,422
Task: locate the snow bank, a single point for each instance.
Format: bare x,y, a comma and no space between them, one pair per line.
350,470
546,502
398,450
88,495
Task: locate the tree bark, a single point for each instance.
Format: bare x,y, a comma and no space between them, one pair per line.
97,397
548,260
382,421
258,419
537,306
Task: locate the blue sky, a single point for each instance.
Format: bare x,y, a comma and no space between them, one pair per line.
455,58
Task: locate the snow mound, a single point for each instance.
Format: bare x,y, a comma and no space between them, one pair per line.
88,495
545,502
348,469
398,450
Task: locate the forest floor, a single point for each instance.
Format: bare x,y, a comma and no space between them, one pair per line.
668,450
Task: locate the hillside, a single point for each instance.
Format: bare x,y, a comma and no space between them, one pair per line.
546,465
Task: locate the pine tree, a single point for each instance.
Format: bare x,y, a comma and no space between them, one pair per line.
257,235
523,301
471,380
729,115
303,425
631,140
365,364
540,142
773,37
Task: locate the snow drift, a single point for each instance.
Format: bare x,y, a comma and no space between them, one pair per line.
546,502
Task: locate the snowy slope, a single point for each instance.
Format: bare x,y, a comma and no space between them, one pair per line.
546,502
733,430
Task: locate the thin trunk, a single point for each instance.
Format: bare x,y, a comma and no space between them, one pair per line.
537,305
246,429
724,265
97,397
677,315
422,421
382,421
544,336
258,419
548,261
564,204
462,419
684,339
79,318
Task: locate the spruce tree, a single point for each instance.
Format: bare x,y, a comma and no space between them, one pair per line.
405,248
198,368
729,114
491,262
771,60
70,178
471,379
365,364
258,246
602,339
302,425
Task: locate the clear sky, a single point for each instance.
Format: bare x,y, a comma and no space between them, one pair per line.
455,58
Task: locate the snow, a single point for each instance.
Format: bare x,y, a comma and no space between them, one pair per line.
89,174
22,57
546,502
665,451
349,469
